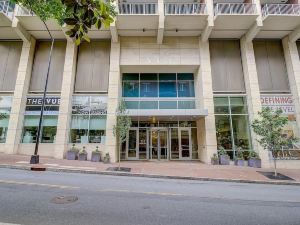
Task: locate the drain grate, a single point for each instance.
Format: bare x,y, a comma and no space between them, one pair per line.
64,199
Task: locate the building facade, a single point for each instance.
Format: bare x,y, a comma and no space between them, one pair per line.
193,75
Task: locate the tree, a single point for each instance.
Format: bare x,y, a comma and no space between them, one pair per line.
79,15
122,126
269,128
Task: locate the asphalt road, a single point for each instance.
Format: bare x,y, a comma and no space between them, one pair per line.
25,198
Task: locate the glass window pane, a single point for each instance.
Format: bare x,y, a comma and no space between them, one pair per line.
221,105
185,76
186,89
238,105
49,134
131,89
80,122
174,144
167,76
186,105
98,123
130,76
223,132
81,105
5,101
98,105
168,104
194,143
142,144
148,76
241,132
50,121
149,89
167,89
132,104
79,136
148,105
3,128
29,134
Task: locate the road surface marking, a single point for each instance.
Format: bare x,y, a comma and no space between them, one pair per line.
142,192
9,224
37,184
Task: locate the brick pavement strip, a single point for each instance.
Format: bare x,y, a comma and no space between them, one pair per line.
173,170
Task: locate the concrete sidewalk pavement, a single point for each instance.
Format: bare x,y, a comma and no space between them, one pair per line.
163,169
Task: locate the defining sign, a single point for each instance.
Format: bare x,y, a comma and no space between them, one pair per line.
283,102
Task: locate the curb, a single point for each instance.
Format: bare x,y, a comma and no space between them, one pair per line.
110,173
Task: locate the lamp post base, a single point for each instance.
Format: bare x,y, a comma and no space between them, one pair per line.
35,159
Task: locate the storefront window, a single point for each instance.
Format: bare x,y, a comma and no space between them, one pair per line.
32,118
5,107
88,123
232,124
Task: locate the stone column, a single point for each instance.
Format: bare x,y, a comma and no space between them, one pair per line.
15,126
293,69
114,96
206,126
253,93
65,108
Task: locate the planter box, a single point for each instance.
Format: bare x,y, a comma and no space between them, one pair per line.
239,162
224,159
96,157
82,157
72,155
256,163
106,160
214,161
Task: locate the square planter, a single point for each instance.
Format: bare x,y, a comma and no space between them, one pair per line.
256,163
96,157
224,159
72,155
214,161
239,162
82,157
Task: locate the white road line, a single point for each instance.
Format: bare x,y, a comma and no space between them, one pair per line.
37,184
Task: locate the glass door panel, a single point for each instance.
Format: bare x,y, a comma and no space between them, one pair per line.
154,144
174,143
143,144
163,144
132,145
185,143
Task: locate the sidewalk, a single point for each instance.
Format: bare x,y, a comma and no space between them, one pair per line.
170,169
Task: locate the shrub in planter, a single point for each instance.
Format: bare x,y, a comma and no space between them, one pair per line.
96,155
72,154
254,160
106,158
239,159
215,159
82,155
223,156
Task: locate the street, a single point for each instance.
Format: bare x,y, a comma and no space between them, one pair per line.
27,198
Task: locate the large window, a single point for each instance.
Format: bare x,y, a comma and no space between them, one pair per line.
88,123
32,118
5,107
232,124
159,91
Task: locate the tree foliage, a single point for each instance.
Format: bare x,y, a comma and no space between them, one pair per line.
123,123
79,15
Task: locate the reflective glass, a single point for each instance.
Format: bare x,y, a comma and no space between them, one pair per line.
149,89
185,76
131,89
168,104
186,105
167,76
148,105
186,89
238,105
131,76
221,105
167,89
223,131
241,132
132,104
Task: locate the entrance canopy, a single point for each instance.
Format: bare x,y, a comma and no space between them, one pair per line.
169,114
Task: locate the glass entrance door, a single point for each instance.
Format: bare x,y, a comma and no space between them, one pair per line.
132,144
185,143
159,144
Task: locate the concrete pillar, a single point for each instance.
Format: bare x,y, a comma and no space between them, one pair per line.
253,93
206,126
15,125
293,68
65,108
114,96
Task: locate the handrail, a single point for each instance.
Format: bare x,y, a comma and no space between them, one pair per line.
280,9
235,8
7,8
138,8
185,8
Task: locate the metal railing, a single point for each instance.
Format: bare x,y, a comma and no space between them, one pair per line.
280,9
21,11
138,8
235,8
7,8
185,8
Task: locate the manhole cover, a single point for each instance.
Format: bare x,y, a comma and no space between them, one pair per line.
64,199
120,169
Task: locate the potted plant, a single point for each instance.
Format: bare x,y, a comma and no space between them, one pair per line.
106,158
254,160
96,155
72,154
239,159
215,159
82,155
223,156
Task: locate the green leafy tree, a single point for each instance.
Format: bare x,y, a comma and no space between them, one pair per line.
122,126
269,127
79,15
